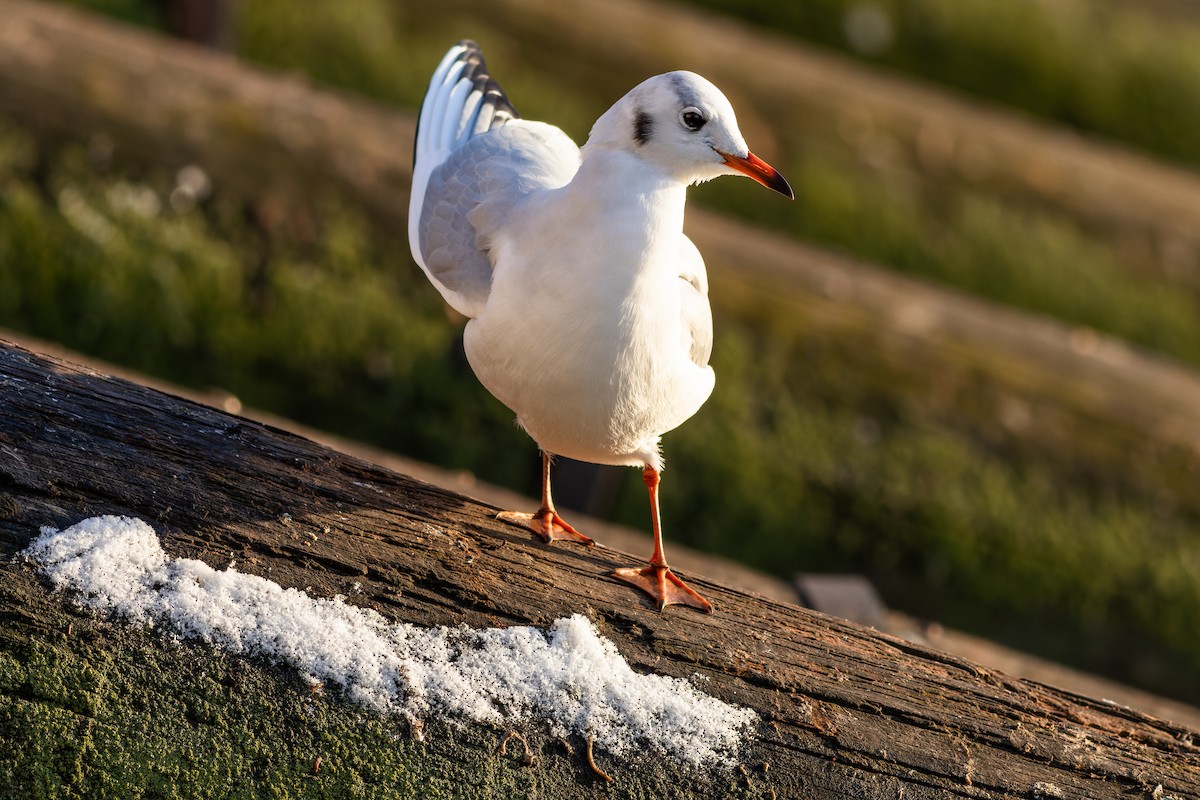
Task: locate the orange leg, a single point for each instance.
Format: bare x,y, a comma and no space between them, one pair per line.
656,579
545,522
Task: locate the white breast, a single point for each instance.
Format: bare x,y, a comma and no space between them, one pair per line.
582,336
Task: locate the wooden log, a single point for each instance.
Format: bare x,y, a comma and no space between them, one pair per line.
1038,384
630,540
844,711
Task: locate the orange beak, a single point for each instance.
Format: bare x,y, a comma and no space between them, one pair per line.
761,171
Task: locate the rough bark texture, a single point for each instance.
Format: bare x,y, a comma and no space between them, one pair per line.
845,711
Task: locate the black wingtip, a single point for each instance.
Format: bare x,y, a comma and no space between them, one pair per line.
476,70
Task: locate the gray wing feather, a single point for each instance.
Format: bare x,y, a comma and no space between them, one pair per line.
694,308
473,160
470,196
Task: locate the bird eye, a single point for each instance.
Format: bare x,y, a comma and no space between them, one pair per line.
692,119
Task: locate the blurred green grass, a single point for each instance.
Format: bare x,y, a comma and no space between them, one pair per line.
332,328
958,234
1117,68
802,460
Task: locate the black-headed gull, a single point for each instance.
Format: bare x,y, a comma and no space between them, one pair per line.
588,307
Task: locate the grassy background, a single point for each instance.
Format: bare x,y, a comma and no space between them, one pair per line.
805,459
1125,70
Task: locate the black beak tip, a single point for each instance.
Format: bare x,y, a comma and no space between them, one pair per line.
781,185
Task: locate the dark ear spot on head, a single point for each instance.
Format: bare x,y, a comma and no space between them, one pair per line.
641,127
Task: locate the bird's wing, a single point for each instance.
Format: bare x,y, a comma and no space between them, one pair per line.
474,159
694,307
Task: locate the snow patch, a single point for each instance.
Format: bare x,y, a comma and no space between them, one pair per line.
568,675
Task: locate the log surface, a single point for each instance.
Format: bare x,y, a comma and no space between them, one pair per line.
844,711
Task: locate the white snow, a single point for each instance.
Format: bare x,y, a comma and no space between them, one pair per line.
569,676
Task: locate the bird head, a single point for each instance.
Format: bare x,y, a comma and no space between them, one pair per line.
683,124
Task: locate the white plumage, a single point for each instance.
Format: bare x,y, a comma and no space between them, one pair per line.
588,306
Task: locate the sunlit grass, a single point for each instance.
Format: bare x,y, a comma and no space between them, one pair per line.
958,235
1113,68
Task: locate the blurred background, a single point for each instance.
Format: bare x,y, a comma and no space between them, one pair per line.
964,363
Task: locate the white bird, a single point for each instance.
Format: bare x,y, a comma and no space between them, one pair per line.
588,306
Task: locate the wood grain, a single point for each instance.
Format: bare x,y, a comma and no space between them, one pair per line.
845,711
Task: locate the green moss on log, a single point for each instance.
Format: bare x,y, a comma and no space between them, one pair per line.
91,708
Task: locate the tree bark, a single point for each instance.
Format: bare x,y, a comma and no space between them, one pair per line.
845,711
